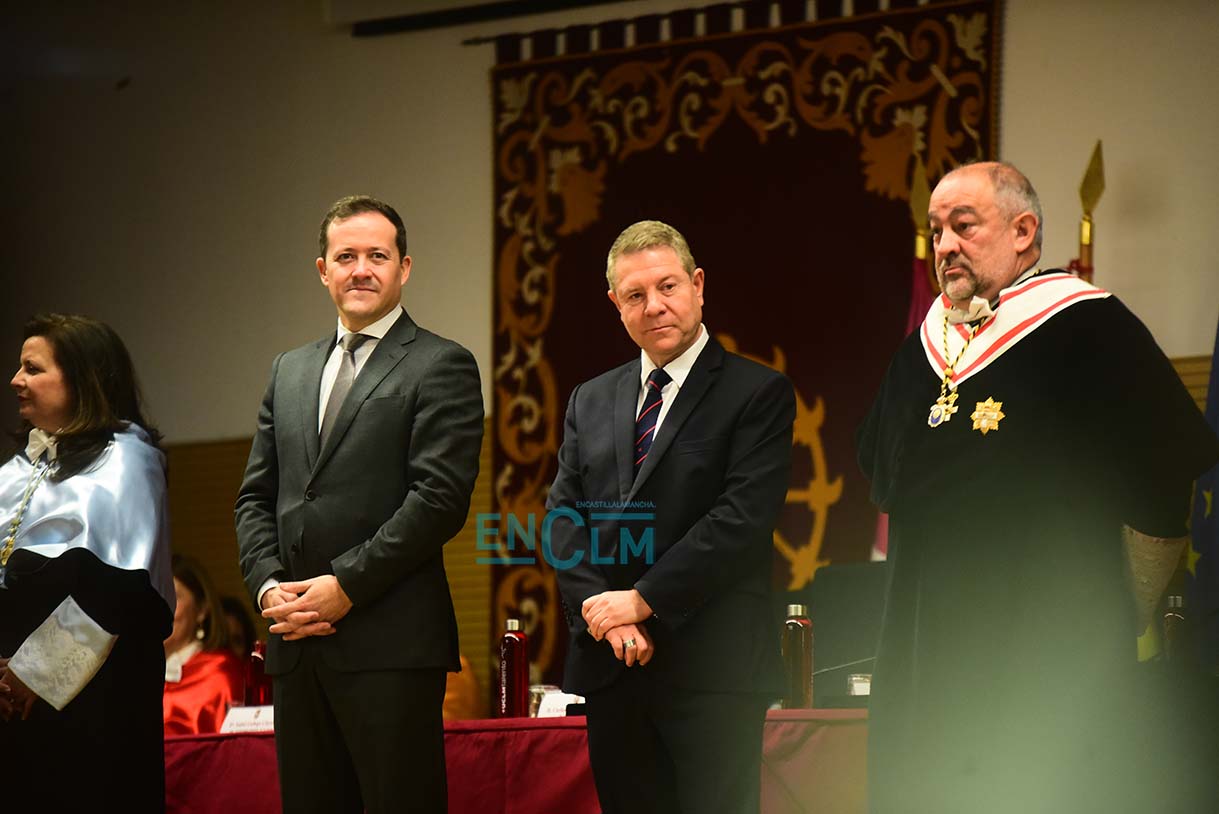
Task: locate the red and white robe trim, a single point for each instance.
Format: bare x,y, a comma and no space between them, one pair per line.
1023,308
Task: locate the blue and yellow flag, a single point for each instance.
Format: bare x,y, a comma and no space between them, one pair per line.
1204,550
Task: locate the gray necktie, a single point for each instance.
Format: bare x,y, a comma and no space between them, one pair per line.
342,383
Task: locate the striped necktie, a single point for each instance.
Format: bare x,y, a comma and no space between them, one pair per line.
645,425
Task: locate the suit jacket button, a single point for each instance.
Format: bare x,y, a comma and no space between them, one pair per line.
310,495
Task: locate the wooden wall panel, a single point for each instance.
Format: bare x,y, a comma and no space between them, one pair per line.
1195,371
203,483
471,582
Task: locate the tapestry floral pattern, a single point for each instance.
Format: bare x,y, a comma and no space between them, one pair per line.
911,88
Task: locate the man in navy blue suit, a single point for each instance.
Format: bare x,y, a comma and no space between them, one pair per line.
672,644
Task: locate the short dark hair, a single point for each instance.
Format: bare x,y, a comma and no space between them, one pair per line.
192,575
352,205
101,385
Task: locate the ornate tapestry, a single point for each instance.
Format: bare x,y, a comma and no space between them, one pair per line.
785,155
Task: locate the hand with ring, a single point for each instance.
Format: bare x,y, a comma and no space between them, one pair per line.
611,609
632,644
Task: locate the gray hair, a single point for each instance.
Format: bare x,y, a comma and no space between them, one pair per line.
644,235
1014,193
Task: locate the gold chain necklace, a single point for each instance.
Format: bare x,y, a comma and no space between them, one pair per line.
946,404
36,478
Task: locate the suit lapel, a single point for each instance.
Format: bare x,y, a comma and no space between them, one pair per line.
385,357
701,377
625,401
311,389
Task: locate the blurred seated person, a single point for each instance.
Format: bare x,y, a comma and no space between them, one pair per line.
241,629
462,699
203,677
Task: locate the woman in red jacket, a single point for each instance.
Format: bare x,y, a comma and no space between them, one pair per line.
203,677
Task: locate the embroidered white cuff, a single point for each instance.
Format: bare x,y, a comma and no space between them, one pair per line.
60,658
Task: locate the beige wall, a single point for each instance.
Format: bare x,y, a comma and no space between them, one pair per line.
1141,76
170,168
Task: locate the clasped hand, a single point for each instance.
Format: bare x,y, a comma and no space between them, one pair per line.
643,650
617,617
607,610
309,607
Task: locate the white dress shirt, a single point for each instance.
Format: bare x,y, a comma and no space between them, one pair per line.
678,370
376,332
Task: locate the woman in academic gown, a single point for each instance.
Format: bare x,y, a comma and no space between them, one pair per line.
86,593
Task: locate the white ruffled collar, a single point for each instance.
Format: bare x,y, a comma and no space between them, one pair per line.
175,661
41,441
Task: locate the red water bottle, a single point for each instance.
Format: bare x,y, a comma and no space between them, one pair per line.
514,672
798,658
257,682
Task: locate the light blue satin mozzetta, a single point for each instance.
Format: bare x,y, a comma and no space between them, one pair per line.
116,508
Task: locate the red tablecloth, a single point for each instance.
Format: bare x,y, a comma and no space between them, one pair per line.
813,761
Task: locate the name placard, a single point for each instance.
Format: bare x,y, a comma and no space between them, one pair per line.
249,719
554,704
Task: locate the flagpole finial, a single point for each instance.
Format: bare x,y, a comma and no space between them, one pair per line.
1093,184
1090,191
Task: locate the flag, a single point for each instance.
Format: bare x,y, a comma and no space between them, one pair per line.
921,297
922,294
1204,546
922,284
880,543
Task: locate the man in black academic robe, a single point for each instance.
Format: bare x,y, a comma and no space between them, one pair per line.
1032,445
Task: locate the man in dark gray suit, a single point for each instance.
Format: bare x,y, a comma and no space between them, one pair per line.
361,469
676,648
